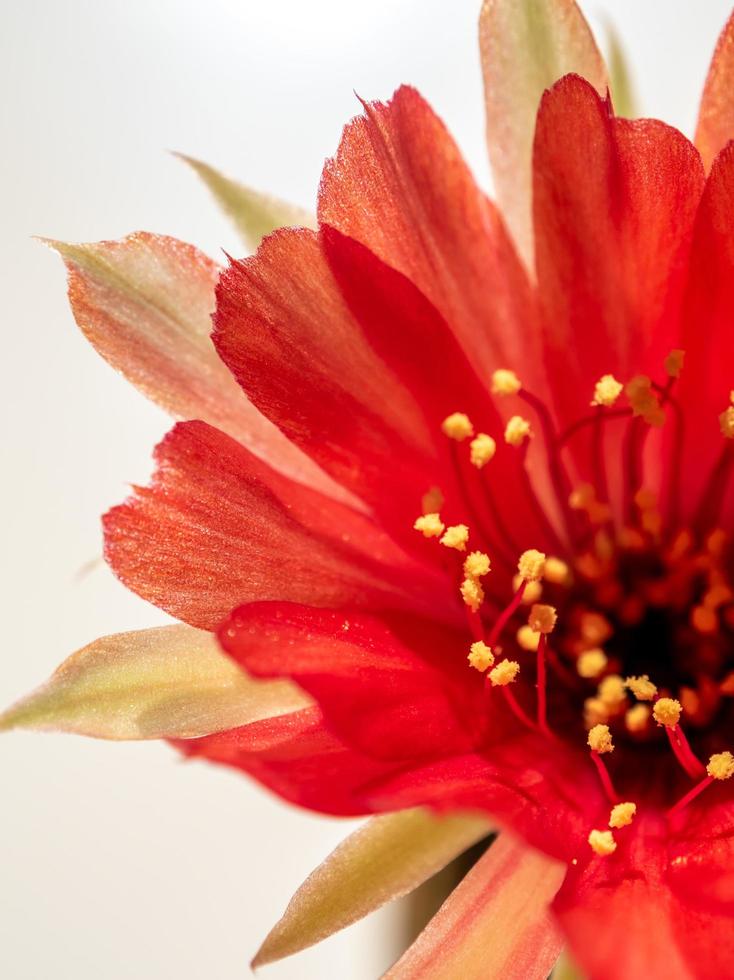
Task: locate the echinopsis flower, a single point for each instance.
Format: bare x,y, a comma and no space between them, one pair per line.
466,544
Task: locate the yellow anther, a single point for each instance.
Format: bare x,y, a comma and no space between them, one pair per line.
642,687
595,629
504,673
673,363
457,426
636,718
527,638
726,423
532,591
556,571
666,711
704,619
644,401
480,656
612,691
600,739
433,501
477,564
505,382
582,497
622,815
591,663
517,431
456,537
595,712
602,842
542,618
531,565
430,525
607,390
472,593
721,765
481,449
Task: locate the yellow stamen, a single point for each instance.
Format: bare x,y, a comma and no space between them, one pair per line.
595,629
607,390
527,638
430,525
591,663
595,712
622,815
726,423
518,430
666,711
602,842
457,426
556,571
721,765
642,687
600,739
456,537
477,564
433,501
532,591
643,400
505,382
612,691
542,618
504,673
481,449
480,656
636,718
582,497
531,565
472,593
673,363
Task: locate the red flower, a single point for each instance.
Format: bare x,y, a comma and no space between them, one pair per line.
462,409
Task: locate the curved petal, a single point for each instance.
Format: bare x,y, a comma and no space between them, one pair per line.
715,125
526,47
145,304
614,206
253,214
397,687
218,527
297,758
386,858
171,682
623,919
496,923
399,185
707,336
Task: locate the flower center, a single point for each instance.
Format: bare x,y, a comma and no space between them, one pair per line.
634,638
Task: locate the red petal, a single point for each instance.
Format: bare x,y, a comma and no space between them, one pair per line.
396,688
495,924
716,116
625,918
218,527
398,185
614,205
296,757
708,337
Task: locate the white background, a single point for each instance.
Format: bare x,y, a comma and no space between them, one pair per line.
120,861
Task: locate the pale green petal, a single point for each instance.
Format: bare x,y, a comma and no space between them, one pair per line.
171,682
620,78
389,856
254,215
526,46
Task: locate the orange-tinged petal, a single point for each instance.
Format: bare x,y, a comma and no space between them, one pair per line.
387,857
170,682
253,214
716,114
526,46
145,304
495,924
